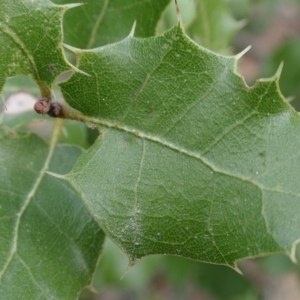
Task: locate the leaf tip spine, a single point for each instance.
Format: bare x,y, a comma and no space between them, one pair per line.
71,5
292,255
81,72
241,54
178,13
131,34
132,263
279,71
290,98
76,51
128,268
238,270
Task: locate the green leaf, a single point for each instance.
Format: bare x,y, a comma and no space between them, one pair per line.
213,27
288,52
29,29
49,243
101,22
170,18
20,83
73,132
191,161
17,121
76,133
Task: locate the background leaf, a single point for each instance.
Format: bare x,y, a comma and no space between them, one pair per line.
28,30
210,23
20,83
289,81
102,22
167,277
191,161
49,243
213,26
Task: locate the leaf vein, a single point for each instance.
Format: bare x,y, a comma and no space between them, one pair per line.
16,40
29,197
31,276
97,24
226,132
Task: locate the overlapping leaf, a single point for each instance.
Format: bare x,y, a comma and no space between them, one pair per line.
30,38
49,243
213,26
101,22
191,161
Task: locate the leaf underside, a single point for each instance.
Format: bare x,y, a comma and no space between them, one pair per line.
191,161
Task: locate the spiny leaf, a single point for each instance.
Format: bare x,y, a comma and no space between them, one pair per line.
49,243
101,22
30,38
191,161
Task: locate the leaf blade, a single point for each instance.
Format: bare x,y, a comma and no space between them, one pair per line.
94,24
42,252
28,29
214,27
211,143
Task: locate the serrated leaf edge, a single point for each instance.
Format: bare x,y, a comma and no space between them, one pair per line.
175,147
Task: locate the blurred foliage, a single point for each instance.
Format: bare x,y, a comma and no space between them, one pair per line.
20,83
169,277
243,8
214,20
205,21
264,18
169,17
166,277
289,53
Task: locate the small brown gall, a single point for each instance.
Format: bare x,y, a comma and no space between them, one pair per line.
55,110
41,107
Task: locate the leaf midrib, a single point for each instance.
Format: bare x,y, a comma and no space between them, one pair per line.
30,196
181,150
20,44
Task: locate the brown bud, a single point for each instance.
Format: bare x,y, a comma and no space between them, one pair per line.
41,107
55,110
